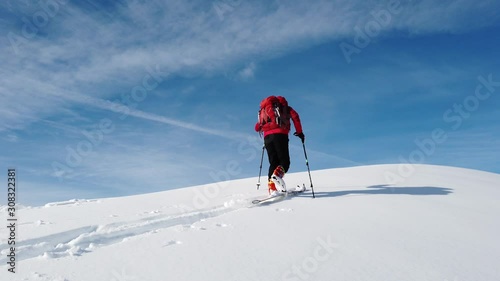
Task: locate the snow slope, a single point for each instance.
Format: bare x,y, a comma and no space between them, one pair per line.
434,223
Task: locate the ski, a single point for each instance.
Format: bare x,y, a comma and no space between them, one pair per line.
269,198
278,197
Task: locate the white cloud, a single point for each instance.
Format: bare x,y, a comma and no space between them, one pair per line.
11,138
96,55
248,72
428,16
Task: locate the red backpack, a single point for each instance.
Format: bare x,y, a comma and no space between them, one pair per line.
274,113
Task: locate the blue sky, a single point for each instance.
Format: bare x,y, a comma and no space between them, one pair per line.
117,98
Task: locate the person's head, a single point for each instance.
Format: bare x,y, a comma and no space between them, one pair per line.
263,102
282,100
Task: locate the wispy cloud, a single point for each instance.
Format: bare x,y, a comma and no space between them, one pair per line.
248,72
89,51
455,16
12,138
119,108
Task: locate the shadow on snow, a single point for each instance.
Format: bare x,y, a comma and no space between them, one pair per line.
387,189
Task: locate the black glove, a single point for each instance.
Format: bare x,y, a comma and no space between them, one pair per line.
300,135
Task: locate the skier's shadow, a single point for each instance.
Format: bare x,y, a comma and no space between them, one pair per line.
387,189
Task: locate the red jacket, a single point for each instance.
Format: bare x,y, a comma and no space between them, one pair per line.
296,123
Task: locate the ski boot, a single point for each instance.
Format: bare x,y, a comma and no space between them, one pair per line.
271,188
277,179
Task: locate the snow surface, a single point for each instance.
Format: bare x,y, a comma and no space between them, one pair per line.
384,222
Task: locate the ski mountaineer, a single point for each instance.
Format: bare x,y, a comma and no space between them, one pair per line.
274,122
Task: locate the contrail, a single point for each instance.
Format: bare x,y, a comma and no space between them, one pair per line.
123,109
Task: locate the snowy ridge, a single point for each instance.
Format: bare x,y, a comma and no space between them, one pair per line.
440,223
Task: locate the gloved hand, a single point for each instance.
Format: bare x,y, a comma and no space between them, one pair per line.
300,135
258,127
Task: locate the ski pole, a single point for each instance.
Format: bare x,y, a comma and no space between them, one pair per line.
308,170
260,169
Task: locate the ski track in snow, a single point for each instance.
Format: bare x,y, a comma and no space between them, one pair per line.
77,242
439,225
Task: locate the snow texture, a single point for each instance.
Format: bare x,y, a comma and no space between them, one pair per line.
383,222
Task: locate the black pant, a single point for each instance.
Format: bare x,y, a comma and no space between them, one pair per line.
277,151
